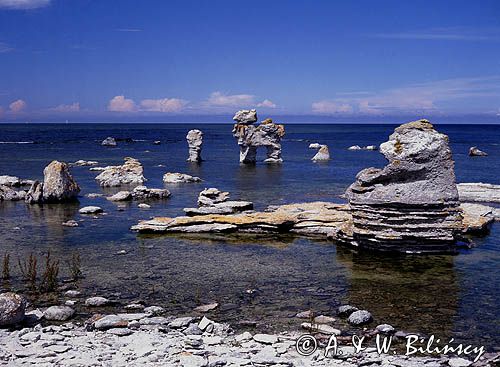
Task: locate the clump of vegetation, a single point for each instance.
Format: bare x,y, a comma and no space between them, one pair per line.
28,270
6,267
49,280
75,266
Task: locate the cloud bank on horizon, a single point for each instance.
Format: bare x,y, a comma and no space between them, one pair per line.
62,59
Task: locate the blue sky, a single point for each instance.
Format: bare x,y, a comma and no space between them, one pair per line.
140,60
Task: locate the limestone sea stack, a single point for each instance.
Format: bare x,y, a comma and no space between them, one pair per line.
58,185
267,134
195,141
412,203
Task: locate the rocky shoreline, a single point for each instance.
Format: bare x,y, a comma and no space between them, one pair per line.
148,337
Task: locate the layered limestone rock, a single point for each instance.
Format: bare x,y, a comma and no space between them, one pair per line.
195,141
130,173
311,219
214,201
479,192
58,185
267,134
175,178
412,203
9,194
323,153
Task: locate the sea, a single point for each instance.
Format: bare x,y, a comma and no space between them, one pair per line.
261,280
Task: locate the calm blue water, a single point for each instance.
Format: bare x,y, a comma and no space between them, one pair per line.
452,296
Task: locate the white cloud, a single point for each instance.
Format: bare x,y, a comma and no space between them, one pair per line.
17,106
331,107
74,107
267,103
121,104
4,48
163,105
24,4
234,100
436,96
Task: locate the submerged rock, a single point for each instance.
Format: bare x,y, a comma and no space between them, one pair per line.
12,308
174,177
70,223
476,152
58,185
479,192
412,203
195,141
130,173
477,217
109,142
250,137
323,154
360,317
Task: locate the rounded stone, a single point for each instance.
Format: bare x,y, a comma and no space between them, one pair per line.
12,307
360,317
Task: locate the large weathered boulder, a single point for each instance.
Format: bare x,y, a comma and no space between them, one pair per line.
267,134
12,307
195,141
58,185
412,203
130,173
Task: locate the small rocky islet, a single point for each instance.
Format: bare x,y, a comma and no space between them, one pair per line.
411,205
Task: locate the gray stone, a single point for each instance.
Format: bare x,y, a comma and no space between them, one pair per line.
83,163
192,329
385,328
96,301
227,207
130,173
476,152
360,317
109,322
144,193
265,338
121,196
70,223
90,210
12,308
180,322
411,205
154,310
323,154
119,331
175,178
58,313
206,308
320,328
346,310
109,142
195,141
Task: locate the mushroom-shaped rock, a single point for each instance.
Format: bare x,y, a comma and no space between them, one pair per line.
412,203
195,141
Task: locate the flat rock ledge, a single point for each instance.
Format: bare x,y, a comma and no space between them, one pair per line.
135,340
479,192
314,219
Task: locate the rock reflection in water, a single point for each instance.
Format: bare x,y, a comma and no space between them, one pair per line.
412,293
